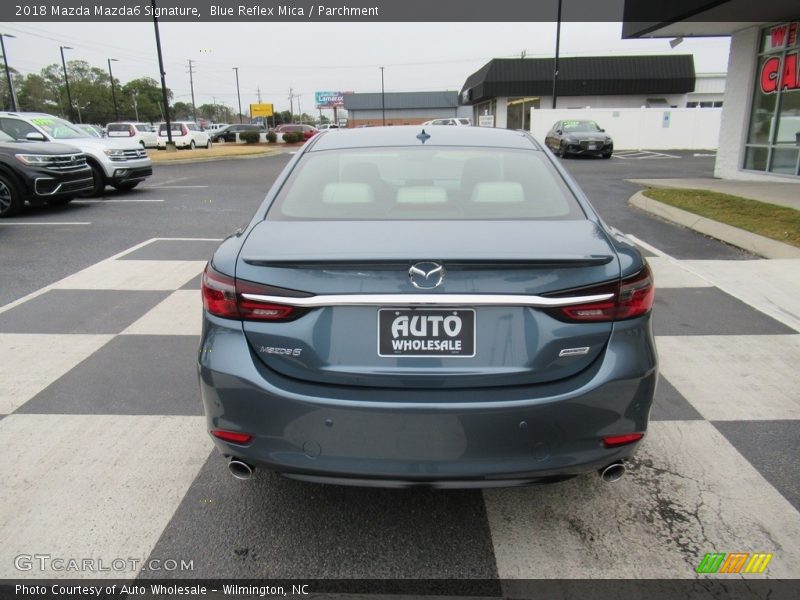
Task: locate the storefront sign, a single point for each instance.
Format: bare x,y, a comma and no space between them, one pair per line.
486,121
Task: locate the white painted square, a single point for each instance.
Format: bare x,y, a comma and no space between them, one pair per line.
30,362
178,314
735,377
100,487
134,275
670,274
688,492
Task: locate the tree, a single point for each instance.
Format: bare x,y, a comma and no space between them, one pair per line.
34,95
16,79
216,113
141,100
181,111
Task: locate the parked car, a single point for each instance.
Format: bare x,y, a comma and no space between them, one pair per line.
117,163
307,130
579,137
40,172
441,309
456,121
141,133
228,133
185,134
326,126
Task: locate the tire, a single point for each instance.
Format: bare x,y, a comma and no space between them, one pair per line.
60,201
606,154
562,152
208,144
11,200
99,182
192,145
127,185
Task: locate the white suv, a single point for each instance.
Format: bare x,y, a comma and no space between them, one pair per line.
120,164
185,134
141,133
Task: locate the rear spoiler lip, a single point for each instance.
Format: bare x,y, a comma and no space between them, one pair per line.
451,264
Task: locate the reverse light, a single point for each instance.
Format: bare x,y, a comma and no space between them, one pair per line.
234,437
613,441
222,297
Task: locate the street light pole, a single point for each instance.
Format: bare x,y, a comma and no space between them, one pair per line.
170,145
238,95
558,45
113,91
66,81
383,100
12,95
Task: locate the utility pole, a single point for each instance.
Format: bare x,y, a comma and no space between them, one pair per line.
291,106
170,145
383,100
113,92
191,87
238,95
12,95
66,81
299,112
558,44
135,105
258,91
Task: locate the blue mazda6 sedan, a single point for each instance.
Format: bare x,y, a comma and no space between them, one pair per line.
419,306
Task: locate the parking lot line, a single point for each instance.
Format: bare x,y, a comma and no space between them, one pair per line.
172,187
45,223
117,201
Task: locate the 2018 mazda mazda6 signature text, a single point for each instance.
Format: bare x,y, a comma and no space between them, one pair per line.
439,307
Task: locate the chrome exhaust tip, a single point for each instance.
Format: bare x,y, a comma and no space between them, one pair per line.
240,469
613,472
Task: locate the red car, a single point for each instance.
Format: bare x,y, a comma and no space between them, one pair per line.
307,130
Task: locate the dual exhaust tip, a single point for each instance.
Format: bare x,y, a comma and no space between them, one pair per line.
240,469
613,472
243,471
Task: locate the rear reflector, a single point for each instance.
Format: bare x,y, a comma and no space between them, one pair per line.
612,441
222,297
633,297
234,437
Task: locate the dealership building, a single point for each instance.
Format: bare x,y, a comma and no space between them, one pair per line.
402,108
503,91
760,130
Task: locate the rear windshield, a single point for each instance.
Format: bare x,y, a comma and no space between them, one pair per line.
115,129
175,127
419,183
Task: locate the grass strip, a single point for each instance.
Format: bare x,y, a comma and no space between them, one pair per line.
779,223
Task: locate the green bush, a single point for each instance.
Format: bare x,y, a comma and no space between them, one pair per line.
251,137
288,137
272,137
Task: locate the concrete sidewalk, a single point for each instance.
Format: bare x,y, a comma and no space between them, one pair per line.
774,192
781,193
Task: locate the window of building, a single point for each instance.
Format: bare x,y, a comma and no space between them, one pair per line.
519,112
773,138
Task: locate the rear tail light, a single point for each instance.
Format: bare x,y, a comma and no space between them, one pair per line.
235,437
131,131
222,297
633,297
184,130
613,441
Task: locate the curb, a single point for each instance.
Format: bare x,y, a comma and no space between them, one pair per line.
752,242
188,161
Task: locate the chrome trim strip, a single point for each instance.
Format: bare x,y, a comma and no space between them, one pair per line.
61,184
427,300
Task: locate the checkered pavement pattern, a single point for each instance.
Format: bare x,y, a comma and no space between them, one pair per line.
106,455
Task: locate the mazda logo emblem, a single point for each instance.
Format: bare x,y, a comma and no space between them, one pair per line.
426,275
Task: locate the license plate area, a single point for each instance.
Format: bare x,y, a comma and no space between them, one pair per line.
426,332
592,146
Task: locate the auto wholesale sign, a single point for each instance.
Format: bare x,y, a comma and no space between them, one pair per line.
329,99
781,72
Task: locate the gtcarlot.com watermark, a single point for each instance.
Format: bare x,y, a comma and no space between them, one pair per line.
47,563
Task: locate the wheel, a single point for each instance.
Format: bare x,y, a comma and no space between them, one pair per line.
127,185
99,182
208,144
191,145
11,201
562,151
606,154
59,201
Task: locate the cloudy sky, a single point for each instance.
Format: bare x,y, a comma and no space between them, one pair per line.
323,56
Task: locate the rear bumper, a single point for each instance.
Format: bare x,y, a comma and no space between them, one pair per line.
447,438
